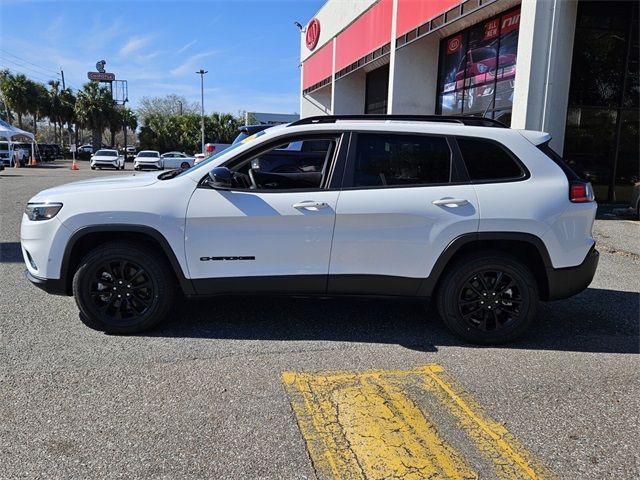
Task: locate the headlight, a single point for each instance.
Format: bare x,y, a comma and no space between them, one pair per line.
42,211
482,68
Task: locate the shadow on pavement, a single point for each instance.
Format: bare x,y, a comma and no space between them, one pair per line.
10,252
595,321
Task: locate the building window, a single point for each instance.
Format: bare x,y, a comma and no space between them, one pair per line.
601,136
478,69
377,90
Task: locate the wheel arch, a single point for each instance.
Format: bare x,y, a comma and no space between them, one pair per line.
526,247
86,239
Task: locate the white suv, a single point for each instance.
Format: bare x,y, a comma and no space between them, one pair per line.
485,219
148,159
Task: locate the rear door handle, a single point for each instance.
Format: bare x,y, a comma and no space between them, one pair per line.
310,205
451,202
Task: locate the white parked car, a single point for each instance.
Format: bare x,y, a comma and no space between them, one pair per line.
107,158
484,219
148,159
172,160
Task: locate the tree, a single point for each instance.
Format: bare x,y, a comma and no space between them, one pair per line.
223,128
55,108
5,78
93,107
17,94
39,102
168,105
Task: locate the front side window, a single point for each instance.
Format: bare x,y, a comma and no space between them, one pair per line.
401,160
302,164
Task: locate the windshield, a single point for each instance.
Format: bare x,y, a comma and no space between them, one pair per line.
210,159
148,154
106,153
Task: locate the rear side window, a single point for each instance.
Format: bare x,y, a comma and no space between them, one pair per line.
488,161
393,160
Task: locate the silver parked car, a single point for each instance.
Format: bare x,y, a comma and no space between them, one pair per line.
173,160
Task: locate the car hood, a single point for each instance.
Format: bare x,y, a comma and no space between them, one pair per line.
147,159
99,184
104,158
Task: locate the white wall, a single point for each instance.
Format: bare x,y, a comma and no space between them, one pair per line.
415,77
545,49
316,103
349,93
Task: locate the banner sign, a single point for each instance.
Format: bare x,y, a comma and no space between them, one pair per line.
101,76
510,22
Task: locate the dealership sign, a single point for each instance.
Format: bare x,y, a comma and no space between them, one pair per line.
454,44
101,76
313,33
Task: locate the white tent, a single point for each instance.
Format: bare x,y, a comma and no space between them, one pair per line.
9,131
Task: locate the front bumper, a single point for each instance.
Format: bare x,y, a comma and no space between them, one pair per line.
566,282
52,286
156,165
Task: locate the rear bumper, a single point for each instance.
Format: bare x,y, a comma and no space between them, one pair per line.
566,282
54,287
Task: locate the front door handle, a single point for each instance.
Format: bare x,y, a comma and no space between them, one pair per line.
310,205
450,202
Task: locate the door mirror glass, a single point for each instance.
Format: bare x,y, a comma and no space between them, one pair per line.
220,177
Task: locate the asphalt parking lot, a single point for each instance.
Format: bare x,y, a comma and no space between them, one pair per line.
279,388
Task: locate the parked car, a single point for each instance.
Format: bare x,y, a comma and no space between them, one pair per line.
148,159
86,148
107,158
176,160
6,155
198,157
484,219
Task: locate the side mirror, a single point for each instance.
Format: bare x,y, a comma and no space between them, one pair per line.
220,177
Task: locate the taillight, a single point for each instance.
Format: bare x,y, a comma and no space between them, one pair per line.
581,192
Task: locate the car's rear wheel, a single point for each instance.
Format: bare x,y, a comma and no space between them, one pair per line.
121,287
488,298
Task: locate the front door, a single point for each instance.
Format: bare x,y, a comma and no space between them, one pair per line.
272,230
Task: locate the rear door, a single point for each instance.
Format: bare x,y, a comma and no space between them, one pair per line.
405,197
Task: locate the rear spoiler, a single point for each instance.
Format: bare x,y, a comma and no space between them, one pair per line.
537,138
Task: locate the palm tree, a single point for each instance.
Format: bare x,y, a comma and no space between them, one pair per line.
39,104
93,106
17,94
5,78
55,109
224,127
68,114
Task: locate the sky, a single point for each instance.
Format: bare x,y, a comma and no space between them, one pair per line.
251,49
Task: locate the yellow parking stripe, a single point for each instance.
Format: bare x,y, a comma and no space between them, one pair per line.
367,426
509,458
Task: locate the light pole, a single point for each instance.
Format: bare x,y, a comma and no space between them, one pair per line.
201,72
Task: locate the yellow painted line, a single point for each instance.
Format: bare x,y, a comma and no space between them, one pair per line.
510,459
367,426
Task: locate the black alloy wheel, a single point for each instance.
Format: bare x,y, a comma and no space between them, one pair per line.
488,298
122,287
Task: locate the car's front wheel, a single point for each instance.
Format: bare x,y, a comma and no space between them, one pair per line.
121,287
488,298
185,165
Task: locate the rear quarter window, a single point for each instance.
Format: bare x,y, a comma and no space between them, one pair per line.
488,161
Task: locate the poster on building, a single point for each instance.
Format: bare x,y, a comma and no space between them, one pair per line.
478,67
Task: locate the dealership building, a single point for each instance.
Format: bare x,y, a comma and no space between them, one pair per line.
562,66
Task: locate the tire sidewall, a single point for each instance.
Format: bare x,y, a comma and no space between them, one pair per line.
158,275
449,294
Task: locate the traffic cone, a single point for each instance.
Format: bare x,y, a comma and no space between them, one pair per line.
74,165
32,161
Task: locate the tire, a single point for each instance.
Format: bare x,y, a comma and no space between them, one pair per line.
185,165
143,279
93,168
466,310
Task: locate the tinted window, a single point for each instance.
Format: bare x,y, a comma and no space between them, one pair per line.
487,160
401,160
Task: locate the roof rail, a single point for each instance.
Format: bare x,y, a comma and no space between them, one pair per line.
464,120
